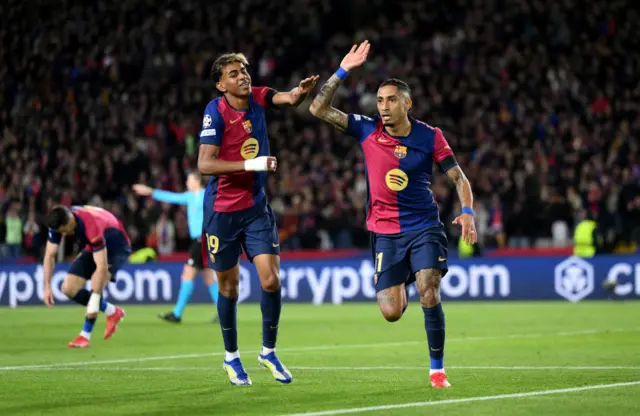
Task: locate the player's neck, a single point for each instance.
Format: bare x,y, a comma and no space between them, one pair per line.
402,129
238,103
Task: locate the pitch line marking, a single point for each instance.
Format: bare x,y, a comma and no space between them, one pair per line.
345,368
314,348
467,399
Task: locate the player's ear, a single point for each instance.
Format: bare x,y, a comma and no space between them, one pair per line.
409,103
220,87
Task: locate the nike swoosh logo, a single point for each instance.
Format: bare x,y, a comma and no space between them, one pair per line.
235,121
442,258
273,327
383,141
276,245
227,329
436,349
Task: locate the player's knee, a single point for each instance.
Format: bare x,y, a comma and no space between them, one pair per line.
188,273
391,314
430,297
229,288
69,289
271,282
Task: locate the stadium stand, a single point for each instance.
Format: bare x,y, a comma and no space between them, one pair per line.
539,99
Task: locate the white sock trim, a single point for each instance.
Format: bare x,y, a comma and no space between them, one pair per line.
228,356
437,370
85,334
266,350
110,310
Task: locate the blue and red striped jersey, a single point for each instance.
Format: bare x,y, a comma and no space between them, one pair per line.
241,135
95,225
399,171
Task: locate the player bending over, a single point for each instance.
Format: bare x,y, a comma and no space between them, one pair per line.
234,149
193,199
408,239
107,248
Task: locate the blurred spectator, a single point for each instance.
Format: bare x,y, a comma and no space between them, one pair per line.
13,236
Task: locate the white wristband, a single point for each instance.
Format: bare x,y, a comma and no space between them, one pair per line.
94,303
258,164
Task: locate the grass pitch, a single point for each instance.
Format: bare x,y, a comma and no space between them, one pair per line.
502,359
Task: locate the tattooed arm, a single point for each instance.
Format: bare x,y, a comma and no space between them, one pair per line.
321,105
465,220
463,187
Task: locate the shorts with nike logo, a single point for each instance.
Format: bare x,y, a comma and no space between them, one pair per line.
397,257
227,234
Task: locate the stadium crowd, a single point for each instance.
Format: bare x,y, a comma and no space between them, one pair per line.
539,99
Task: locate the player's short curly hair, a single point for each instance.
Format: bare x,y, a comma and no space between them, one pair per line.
222,61
58,217
402,86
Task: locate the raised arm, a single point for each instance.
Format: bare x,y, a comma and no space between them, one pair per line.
296,96
181,198
321,105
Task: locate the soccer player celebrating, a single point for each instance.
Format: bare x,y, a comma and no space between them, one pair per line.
408,239
193,199
107,248
234,149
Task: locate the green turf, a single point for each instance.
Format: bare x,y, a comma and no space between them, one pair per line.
313,341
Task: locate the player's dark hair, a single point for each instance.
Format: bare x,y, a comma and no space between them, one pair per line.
400,85
222,61
58,217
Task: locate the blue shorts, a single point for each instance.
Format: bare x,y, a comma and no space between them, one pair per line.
397,257
227,234
118,251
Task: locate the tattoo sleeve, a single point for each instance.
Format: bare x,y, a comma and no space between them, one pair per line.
463,187
321,105
386,297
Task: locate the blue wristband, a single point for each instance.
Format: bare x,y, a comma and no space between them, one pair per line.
467,210
342,73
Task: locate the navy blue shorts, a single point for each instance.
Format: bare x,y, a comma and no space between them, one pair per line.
117,255
397,257
227,234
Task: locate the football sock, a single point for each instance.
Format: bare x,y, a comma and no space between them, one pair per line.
228,356
270,305
267,351
434,326
106,307
186,289
213,291
227,315
82,297
88,327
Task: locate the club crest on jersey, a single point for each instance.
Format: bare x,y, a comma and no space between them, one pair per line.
247,126
400,152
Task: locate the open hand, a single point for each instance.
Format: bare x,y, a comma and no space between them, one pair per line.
356,56
142,190
307,84
469,234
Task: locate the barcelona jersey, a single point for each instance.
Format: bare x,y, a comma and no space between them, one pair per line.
399,171
241,135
